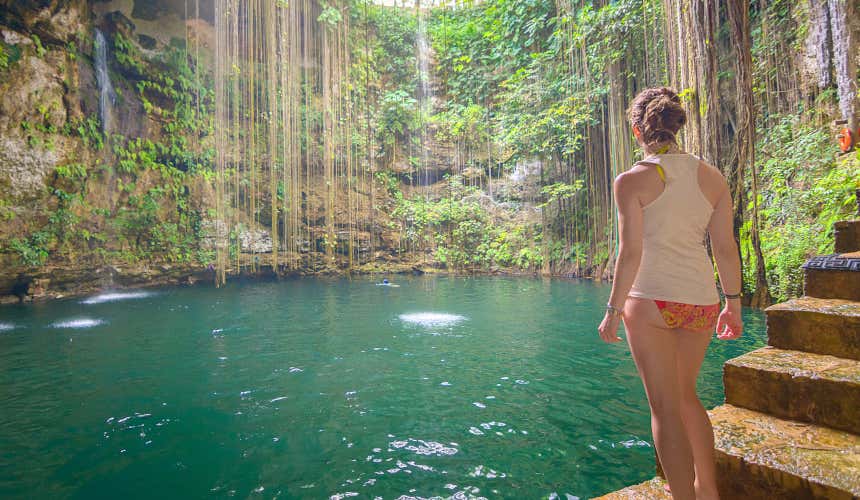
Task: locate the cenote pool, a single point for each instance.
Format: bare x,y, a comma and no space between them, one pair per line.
463,387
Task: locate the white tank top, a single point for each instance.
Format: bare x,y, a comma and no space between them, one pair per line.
675,264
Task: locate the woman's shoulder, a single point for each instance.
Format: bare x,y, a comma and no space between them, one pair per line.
641,170
640,179
638,172
712,182
709,172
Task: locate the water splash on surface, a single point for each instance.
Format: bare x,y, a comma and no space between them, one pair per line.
115,296
5,327
421,447
430,319
567,496
487,472
78,323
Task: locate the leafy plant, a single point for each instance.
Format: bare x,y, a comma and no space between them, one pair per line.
37,43
32,251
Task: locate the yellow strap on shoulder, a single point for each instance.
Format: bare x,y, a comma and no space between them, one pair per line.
660,172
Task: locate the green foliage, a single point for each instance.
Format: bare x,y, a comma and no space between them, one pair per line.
74,174
515,247
385,69
4,57
608,33
478,45
560,191
37,43
127,54
391,183
32,251
43,126
804,189
185,103
468,123
540,119
88,129
393,52
398,114
463,233
330,16
6,213
72,50
152,224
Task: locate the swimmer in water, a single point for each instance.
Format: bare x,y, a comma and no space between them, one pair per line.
385,282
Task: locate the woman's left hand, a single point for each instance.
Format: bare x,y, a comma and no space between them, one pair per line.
608,328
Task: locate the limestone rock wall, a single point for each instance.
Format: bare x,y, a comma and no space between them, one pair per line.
49,109
54,21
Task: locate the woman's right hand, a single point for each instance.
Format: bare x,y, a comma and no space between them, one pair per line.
730,325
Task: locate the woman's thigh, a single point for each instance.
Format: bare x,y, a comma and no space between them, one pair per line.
692,346
655,351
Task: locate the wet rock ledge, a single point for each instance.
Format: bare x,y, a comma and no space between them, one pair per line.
55,283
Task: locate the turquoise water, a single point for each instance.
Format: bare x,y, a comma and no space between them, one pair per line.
478,387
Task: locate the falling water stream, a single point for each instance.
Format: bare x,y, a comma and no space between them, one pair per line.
107,94
425,97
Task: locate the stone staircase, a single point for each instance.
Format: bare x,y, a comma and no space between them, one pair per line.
790,428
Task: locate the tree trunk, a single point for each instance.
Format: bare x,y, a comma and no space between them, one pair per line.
819,41
844,52
738,11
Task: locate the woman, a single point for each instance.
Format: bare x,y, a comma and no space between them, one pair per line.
664,286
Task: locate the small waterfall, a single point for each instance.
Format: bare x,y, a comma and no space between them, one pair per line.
526,170
423,61
107,95
425,95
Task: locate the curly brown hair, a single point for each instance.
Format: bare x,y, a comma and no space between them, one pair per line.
658,113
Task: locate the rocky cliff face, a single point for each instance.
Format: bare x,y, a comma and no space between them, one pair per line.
53,21
38,92
33,89
81,211
60,195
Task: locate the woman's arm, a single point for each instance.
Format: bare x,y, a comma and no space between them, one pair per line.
725,251
629,251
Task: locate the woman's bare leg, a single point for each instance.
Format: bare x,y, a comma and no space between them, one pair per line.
655,351
692,346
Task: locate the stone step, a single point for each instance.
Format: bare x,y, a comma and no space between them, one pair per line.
651,489
761,457
847,236
802,386
834,276
823,326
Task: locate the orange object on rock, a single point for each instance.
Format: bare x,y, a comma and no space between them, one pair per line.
846,139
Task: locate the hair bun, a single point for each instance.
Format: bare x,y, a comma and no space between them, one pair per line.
658,113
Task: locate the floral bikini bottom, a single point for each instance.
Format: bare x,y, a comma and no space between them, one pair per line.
689,316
